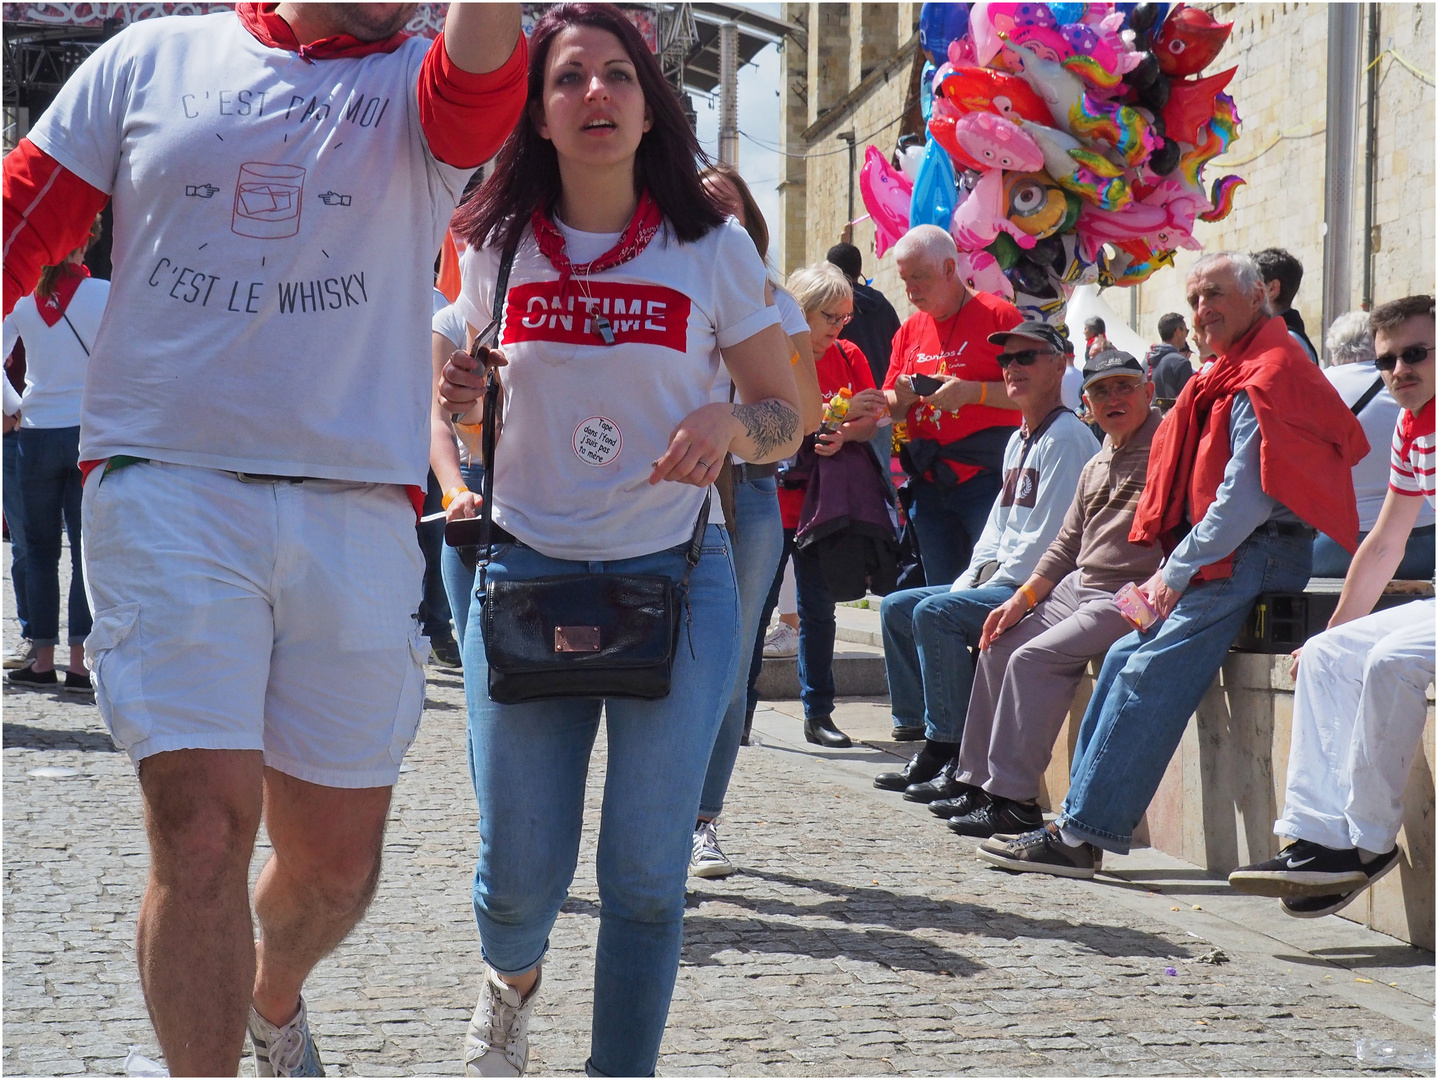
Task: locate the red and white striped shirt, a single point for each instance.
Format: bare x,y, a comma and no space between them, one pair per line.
1413,454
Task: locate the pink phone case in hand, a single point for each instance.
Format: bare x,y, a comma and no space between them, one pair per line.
1134,607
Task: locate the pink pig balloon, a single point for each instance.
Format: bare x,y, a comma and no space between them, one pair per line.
886,195
997,143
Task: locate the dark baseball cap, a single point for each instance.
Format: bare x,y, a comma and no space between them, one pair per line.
1109,363
1042,331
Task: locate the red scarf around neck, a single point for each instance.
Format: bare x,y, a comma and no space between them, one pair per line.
270,29
52,307
1311,441
642,228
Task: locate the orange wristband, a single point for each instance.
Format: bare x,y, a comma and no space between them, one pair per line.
1029,596
450,495
983,393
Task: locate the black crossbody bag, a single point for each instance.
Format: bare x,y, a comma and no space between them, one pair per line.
575,635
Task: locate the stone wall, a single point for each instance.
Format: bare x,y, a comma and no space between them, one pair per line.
1281,51
1224,789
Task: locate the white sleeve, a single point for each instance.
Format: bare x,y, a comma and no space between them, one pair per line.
478,267
83,127
450,323
791,315
986,550
740,310
12,397
11,333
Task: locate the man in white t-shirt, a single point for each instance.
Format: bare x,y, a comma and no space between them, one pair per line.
255,426
1359,695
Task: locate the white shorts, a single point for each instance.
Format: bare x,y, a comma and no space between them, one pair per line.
256,616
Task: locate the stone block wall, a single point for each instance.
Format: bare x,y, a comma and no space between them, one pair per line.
1281,87
1224,788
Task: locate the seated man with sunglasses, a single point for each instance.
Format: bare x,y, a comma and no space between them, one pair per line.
1359,703
1255,453
929,632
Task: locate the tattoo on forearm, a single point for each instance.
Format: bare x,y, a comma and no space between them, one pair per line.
770,424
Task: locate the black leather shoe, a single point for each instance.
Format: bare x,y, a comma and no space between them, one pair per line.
908,732
943,786
822,732
923,766
999,815
970,799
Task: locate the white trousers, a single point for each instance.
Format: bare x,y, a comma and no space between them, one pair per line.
1358,714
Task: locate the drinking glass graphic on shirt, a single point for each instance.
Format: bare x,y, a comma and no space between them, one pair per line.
267,200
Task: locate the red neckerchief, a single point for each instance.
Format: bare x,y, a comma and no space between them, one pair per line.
269,29
1413,427
641,229
52,307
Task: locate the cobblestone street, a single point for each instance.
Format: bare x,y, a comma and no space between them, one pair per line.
859,937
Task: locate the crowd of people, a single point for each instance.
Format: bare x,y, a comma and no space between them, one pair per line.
634,431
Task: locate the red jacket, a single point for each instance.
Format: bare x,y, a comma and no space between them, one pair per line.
1311,441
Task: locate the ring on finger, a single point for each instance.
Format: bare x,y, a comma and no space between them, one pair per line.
705,465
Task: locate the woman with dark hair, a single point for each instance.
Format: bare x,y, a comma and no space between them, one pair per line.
57,323
626,288
756,530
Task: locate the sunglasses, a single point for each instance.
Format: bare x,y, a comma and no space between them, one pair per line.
1412,356
1024,357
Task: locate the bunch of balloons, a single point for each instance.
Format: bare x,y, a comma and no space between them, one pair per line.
1066,144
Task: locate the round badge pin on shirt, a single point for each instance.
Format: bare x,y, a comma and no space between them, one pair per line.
597,441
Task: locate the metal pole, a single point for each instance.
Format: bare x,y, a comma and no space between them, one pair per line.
847,231
729,93
1370,154
1342,120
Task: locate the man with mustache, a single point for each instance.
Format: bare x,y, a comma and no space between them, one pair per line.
1358,702
1255,454
254,440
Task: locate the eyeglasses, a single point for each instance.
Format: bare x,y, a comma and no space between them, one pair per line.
836,321
1412,356
1024,357
1110,388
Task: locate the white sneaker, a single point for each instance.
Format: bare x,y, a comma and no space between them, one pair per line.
708,859
20,655
497,1043
783,641
285,1051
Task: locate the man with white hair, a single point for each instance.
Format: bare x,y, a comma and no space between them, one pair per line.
1252,454
958,428
1356,378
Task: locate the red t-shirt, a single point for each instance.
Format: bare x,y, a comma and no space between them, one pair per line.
957,346
842,367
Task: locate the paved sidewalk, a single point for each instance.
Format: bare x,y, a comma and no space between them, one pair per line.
859,938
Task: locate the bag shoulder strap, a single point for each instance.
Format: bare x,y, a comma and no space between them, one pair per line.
75,332
1368,395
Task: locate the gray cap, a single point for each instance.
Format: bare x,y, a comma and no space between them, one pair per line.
1109,363
1049,335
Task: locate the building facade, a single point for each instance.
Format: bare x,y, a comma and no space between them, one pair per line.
859,74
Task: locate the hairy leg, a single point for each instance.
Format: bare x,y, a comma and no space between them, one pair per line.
195,945
317,885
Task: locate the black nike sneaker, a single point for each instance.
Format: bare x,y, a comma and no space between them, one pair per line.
1303,868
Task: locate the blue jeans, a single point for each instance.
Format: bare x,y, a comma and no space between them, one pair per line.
50,485
529,764
817,629
758,539
948,522
15,521
756,658
458,578
433,605
1151,683
1332,561
927,637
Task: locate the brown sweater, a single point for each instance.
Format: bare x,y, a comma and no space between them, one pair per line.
1094,536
